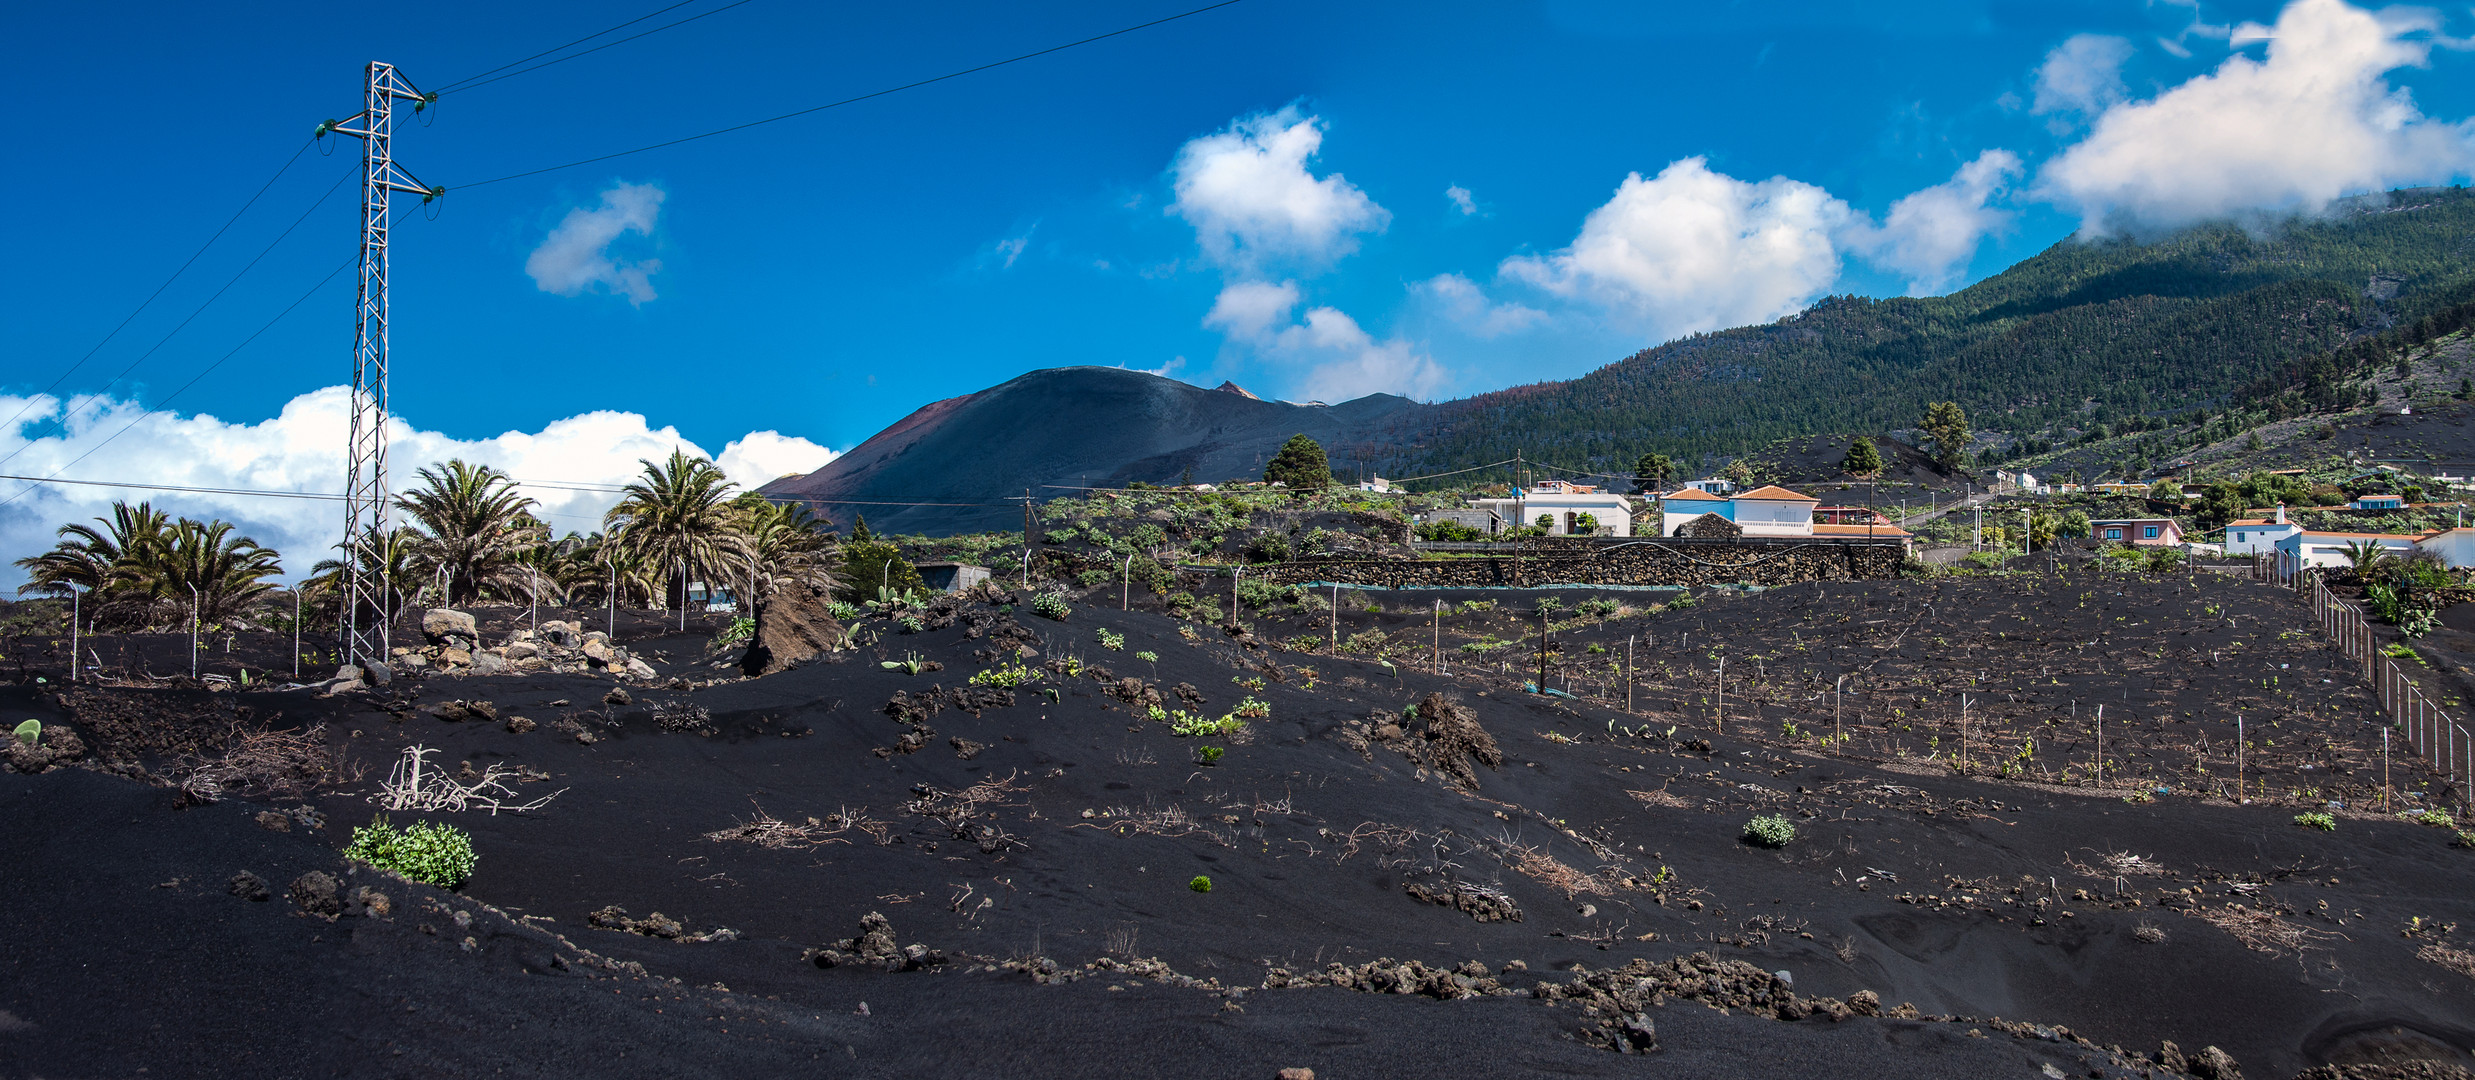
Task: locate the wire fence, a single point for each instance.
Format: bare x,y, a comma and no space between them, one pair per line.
2430,733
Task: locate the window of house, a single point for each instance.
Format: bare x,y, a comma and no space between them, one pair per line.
2114,534
2148,532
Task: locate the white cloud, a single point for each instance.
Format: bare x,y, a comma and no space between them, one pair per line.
2314,121
2082,75
1461,199
1462,301
300,449
1247,309
1931,234
575,257
1253,202
1691,249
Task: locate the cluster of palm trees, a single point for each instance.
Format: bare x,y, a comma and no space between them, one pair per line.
142,568
469,537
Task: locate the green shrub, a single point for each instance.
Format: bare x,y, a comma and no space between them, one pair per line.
2435,818
1089,578
30,732
1009,676
1050,606
1447,532
432,852
2464,839
1111,640
843,611
1770,831
737,633
1208,755
1270,547
1200,884
2317,820
1147,656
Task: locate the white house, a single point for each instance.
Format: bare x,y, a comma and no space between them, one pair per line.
2455,547
2252,536
1563,503
2327,549
1710,486
1378,484
1764,511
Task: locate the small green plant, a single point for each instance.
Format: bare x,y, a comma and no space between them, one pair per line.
432,852
2435,818
30,732
2317,820
1147,656
1251,709
737,633
908,665
1008,676
1050,606
1770,831
909,624
1111,640
2464,839
1208,755
1200,884
843,611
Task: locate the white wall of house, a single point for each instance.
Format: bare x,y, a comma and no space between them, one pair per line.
1614,512
2456,547
1774,517
2329,549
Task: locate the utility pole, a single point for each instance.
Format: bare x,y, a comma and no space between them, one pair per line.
1026,538
365,483
1542,649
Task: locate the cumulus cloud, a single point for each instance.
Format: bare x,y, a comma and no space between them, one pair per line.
575,258
300,449
2313,121
1253,201
2082,75
1691,249
1249,309
1461,199
1468,306
1931,234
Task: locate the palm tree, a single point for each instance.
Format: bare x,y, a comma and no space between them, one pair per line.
477,527
228,573
787,543
394,566
678,520
2365,556
98,559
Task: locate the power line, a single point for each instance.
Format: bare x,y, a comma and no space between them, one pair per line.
167,283
863,97
579,41
193,381
175,487
480,80
73,414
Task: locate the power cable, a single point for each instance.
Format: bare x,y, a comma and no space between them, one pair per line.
579,41
479,80
193,381
167,283
863,97
179,488
184,323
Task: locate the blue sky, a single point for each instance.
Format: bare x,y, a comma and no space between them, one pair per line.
1313,199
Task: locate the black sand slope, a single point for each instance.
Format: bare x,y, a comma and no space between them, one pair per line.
1045,848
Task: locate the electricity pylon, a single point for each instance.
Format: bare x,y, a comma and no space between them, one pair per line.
365,634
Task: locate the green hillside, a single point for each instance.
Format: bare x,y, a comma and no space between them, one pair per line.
2077,335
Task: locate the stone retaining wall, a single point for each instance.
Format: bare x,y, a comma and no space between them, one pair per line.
1741,562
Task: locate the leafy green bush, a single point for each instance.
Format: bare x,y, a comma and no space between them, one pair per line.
1111,640
1050,606
1200,884
1147,656
1208,755
2317,820
2436,818
1770,831
1008,676
842,611
1270,547
432,852
1447,532
1984,560
1600,609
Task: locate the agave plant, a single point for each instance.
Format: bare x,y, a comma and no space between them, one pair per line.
475,526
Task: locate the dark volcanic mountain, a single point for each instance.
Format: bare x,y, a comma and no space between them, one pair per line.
2080,335
1079,426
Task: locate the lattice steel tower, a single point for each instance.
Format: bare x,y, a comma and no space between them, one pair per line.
366,608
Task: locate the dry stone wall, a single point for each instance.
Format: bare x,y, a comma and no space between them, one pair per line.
1659,562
